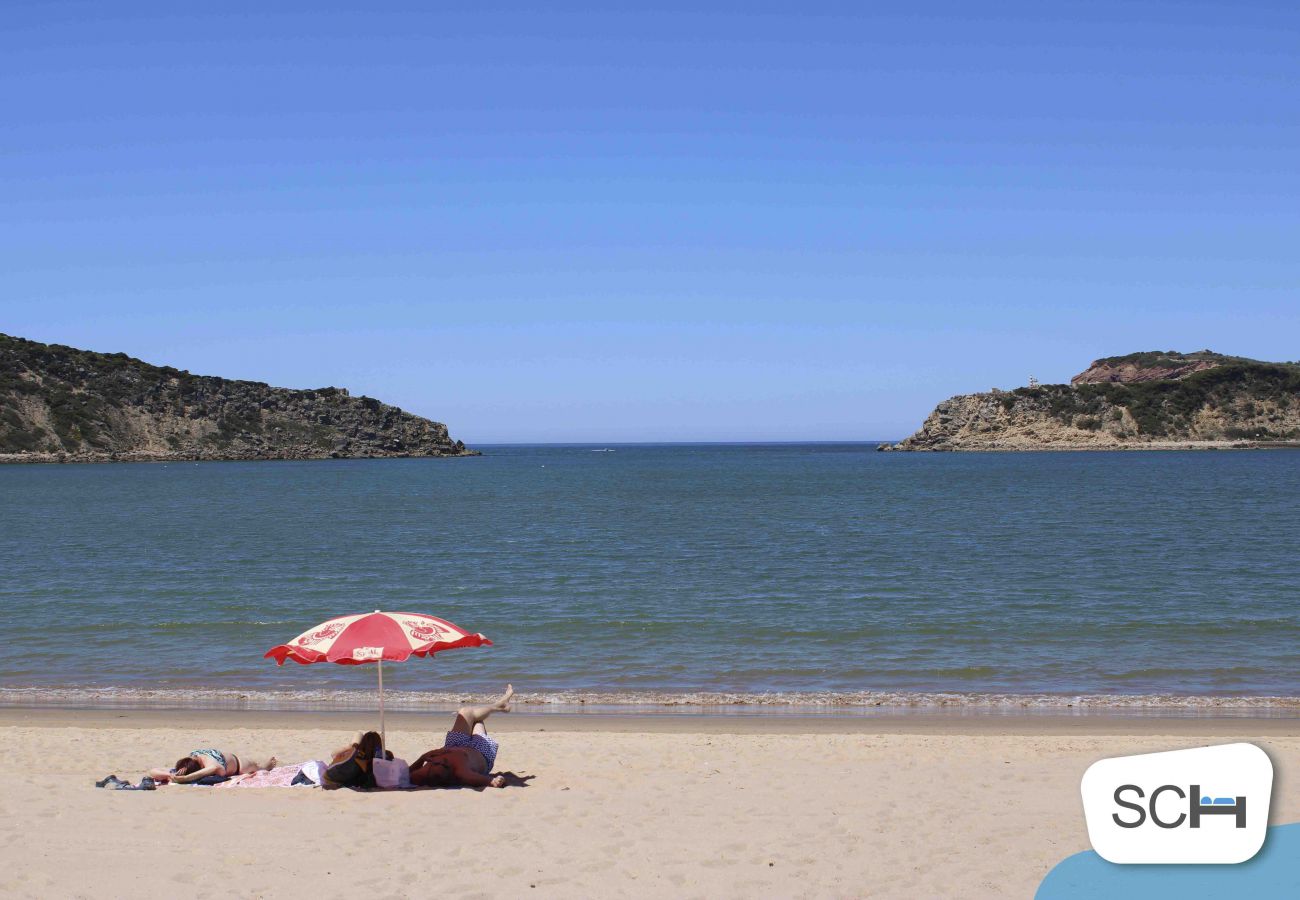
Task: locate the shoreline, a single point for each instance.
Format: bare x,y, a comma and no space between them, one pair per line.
43,458
555,702
520,721
1097,448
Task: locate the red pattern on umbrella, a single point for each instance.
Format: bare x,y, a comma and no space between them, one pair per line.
353,640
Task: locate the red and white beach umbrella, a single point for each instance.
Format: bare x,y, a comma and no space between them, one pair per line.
373,638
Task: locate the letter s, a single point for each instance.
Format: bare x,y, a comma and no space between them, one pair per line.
1136,807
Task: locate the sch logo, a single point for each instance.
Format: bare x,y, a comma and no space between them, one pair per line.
1153,809
1204,806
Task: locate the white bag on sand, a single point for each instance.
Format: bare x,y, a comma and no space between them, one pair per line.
391,773
315,770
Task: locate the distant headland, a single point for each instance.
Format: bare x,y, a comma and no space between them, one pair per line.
60,404
1155,400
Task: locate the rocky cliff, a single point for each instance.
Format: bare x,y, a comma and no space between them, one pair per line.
1155,365
62,404
1198,400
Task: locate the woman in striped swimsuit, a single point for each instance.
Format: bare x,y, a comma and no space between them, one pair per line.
205,763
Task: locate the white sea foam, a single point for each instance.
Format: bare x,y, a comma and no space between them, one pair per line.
647,701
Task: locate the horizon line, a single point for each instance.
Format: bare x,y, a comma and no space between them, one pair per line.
678,443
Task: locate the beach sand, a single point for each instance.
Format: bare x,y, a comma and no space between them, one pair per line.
693,806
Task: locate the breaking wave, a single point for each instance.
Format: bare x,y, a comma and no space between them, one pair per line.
795,702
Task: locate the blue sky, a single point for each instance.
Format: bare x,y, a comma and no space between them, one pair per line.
691,222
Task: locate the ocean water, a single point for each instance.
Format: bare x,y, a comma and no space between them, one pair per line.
702,573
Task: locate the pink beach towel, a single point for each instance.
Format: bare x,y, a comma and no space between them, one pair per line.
280,776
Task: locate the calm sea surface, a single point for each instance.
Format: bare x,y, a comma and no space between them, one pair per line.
660,571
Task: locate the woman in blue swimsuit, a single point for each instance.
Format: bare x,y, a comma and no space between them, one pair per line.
205,763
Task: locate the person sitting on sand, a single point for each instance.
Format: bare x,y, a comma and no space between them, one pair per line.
351,766
200,764
468,755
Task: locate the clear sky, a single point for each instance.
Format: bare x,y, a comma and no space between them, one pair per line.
545,222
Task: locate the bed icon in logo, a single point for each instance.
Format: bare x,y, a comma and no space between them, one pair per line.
1153,808
1227,806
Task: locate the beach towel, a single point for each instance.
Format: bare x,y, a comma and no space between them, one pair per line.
280,776
210,780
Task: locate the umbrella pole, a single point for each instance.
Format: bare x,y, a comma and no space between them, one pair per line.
383,734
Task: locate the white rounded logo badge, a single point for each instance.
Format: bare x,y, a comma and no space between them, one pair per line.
1204,805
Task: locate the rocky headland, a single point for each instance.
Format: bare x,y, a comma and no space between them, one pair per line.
1155,400
60,404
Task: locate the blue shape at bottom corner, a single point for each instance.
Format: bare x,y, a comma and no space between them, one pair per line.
1273,872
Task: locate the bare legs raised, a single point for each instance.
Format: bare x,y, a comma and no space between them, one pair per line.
469,719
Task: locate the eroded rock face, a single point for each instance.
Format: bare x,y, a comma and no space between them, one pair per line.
1220,404
1004,421
62,404
1119,371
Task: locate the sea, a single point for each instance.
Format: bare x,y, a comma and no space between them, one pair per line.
694,576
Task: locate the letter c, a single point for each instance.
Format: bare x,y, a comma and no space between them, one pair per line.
1155,795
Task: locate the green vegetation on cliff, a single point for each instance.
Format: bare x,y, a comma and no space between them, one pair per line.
1162,359
1141,400
1166,408
63,402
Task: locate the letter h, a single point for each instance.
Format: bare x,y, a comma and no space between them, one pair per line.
1197,810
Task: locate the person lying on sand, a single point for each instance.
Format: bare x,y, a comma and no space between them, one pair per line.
468,755
204,763
351,766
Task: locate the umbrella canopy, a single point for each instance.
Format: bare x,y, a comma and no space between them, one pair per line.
373,638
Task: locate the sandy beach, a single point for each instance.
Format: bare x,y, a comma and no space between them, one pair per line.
886,806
